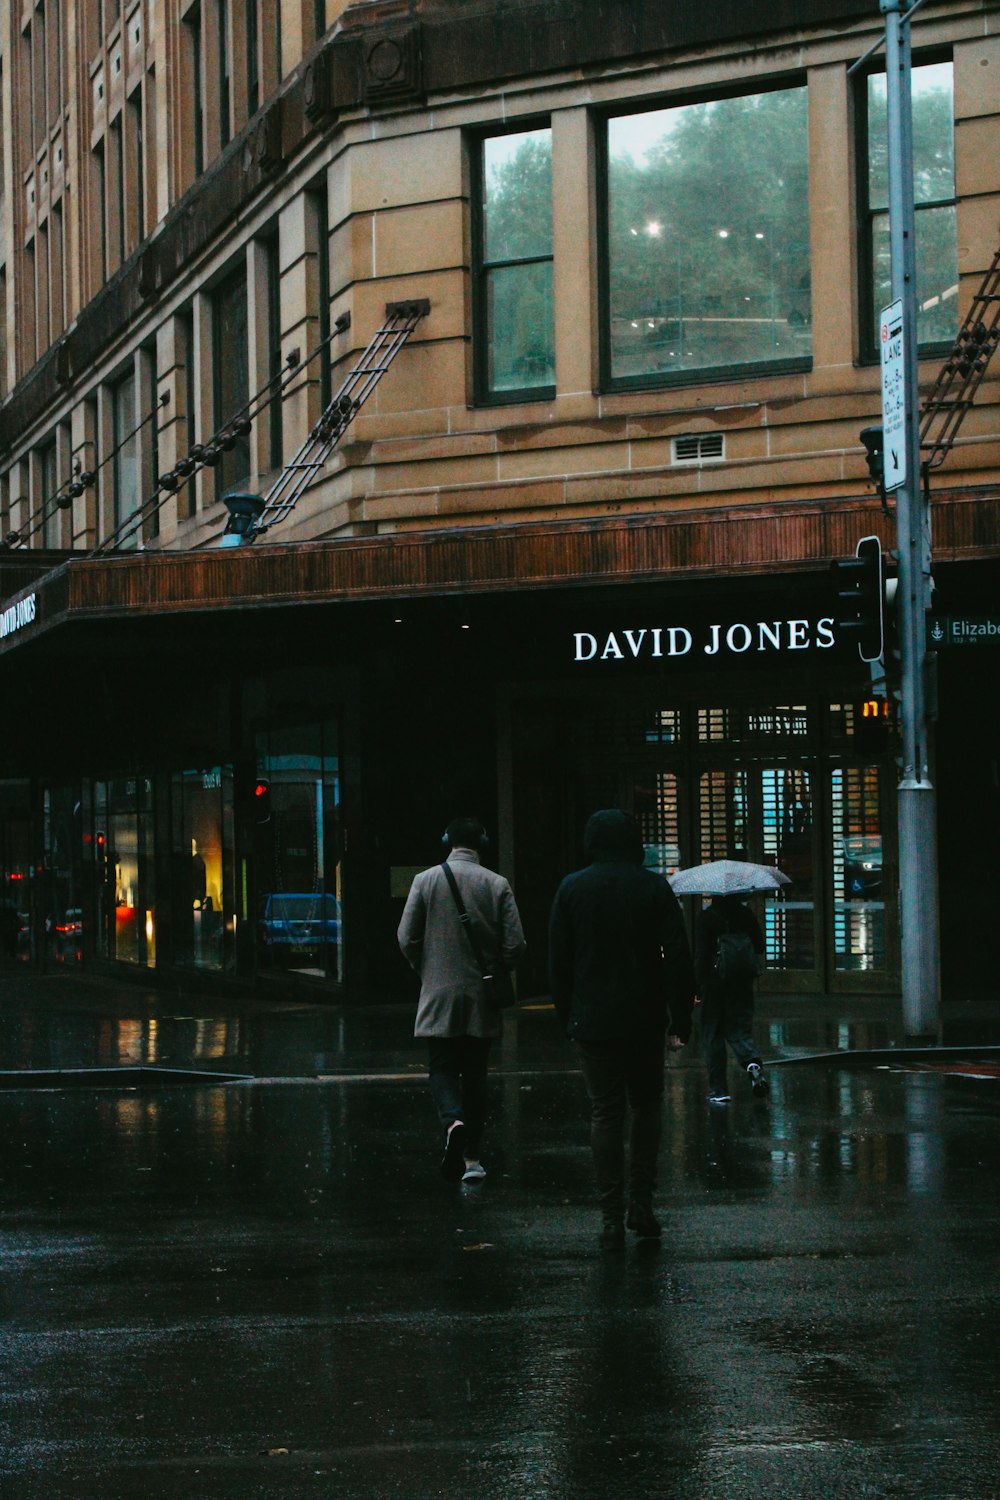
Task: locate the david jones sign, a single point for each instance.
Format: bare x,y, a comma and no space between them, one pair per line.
717,640
16,616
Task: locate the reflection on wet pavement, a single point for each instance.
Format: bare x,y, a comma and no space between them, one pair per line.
266,1289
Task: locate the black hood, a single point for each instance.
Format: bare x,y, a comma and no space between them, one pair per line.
612,834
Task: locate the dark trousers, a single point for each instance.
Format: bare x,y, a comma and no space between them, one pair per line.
619,1074
458,1083
727,1016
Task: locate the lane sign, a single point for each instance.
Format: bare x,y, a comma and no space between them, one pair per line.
893,394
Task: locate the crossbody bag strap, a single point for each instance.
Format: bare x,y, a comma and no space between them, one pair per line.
463,915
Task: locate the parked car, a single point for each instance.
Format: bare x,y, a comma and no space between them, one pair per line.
68,936
862,867
296,921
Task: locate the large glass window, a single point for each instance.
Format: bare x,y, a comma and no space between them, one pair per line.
514,334
126,449
123,852
203,898
706,265
934,202
231,348
298,850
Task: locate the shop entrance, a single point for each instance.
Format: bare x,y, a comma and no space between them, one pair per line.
778,784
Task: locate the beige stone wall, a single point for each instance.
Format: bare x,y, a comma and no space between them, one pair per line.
396,184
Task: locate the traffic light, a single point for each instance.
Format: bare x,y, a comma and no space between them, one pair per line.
261,801
873,439
871,725
861,590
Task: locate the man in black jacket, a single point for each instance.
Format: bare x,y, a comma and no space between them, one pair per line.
624,987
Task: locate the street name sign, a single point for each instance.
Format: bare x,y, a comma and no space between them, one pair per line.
962,630
890,340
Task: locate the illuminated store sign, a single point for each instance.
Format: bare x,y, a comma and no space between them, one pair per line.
16,616
740,639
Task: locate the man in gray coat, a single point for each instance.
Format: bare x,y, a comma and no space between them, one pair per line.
453,1012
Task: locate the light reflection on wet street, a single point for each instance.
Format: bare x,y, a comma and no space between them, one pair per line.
266,1289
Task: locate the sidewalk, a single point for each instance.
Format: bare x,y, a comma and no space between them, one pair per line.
72,1019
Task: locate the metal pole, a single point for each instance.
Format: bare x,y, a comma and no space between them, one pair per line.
918,887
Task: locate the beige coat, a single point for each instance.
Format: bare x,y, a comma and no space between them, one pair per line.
434,943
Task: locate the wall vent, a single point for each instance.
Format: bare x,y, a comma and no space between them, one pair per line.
697,447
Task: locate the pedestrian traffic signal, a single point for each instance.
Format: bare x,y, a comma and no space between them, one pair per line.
261,801
861,591
871,725
873,439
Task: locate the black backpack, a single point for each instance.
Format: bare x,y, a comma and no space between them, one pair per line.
735,957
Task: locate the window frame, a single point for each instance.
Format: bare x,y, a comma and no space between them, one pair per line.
483,395
709,375
868,350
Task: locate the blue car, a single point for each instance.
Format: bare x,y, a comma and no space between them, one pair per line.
297,922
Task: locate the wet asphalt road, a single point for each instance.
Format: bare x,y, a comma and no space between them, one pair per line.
265,1288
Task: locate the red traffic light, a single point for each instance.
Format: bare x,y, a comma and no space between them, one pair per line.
262,800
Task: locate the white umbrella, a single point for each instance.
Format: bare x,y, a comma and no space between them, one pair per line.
727,877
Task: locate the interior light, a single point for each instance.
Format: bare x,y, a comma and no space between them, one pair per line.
652,227
758,235
723,234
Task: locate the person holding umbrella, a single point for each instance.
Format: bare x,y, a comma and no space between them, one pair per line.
728,957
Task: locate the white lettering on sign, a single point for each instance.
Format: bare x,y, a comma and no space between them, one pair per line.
720,640
893,364
17,615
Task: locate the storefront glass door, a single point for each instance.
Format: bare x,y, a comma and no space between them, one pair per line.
202,866
123,848
774,783
298,851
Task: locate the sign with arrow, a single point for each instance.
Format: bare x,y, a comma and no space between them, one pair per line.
893,394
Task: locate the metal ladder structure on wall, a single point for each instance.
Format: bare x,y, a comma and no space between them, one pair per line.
251,515
962,372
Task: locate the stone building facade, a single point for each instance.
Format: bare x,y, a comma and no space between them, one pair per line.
652,249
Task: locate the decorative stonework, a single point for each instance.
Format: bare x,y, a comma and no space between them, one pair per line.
393,68
317,89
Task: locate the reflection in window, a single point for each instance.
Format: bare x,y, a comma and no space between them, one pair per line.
202,867
297,851
515,346
123,853
934,197
655,806
858,895
708,237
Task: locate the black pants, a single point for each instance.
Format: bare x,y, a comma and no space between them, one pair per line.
616,1074
727,1016
458,1083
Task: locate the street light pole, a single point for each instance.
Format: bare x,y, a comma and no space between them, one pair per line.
918,884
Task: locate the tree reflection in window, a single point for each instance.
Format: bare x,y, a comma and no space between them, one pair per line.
515,305
708,237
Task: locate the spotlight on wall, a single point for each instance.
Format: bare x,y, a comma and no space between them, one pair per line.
244,512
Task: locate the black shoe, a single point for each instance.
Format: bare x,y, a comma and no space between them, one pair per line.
612,1236
759,1082
453,1160
643,1221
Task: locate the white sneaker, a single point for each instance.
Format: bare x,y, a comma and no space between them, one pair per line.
758,1080
474,1171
